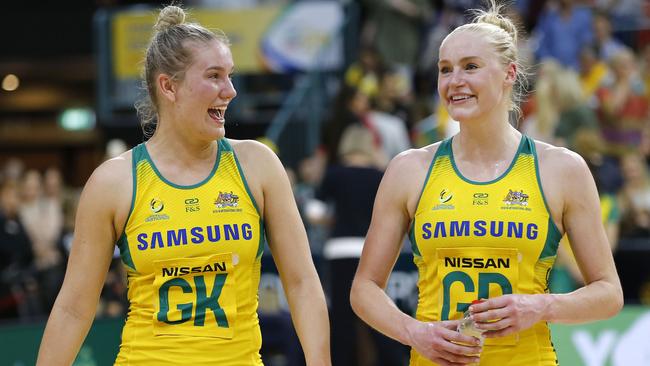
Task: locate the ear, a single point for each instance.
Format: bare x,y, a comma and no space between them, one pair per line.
166,87
511,74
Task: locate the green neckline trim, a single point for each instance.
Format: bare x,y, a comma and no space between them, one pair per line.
162,178
520,148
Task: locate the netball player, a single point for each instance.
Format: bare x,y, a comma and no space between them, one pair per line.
485,211
189,210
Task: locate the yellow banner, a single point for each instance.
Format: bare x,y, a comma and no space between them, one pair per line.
244,27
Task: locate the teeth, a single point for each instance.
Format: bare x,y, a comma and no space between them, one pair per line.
459,97
217,112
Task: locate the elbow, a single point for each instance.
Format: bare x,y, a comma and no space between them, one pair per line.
615,301
618,302
355,297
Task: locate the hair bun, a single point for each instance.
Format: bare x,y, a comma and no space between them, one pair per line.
493,16
500,21
169,16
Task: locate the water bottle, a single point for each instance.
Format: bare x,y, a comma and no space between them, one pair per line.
468,327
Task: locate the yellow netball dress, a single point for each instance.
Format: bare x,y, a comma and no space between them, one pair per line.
476,240
192,255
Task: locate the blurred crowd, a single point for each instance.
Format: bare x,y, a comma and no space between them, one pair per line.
588,68
589,90
37,214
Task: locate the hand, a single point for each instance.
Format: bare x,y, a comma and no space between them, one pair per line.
508,314
435,342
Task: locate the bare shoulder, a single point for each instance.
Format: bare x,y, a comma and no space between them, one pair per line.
251,152
111,185
413,160
405,175
113,172
559,160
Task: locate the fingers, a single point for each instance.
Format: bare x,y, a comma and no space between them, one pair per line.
448,347
500,333
492,303
490,315
463,344
450,324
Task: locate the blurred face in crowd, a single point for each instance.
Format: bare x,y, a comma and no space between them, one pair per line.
53,182
623,65
587,60
602,28
472,82
634,168
203,95
32,186
360,103
9,199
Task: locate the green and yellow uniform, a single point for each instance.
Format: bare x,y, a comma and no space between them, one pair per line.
477,240
192,254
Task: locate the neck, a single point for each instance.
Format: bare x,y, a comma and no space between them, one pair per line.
487,141
172,145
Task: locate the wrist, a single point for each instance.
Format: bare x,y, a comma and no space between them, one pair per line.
409,327
547,301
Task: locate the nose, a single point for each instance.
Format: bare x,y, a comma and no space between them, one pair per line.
228,92
456,77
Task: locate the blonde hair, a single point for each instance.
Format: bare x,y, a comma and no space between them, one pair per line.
357,139
567,90
169,52
500,32
546,110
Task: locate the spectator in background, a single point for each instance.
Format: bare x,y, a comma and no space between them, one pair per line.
623,108
397,27
626,16
564,29
644,63
13,170
574,113
17,285
365,73
635,197
350,187
389,132
540,111
593,72
43,219
605,44
395,97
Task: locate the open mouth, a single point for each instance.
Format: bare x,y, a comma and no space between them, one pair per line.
460,98
217,113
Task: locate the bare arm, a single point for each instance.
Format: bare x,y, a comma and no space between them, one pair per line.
90,257
390,221
601,297
290,249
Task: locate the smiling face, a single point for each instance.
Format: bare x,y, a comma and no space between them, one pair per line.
203,95
472,82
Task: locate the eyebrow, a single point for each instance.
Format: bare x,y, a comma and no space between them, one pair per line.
462,59
219,68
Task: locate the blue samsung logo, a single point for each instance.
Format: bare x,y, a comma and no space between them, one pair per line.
479,228
195,235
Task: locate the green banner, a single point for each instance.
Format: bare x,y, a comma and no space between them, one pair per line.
19,346
621,341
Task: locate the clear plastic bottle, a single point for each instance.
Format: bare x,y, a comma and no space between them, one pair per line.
468,327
